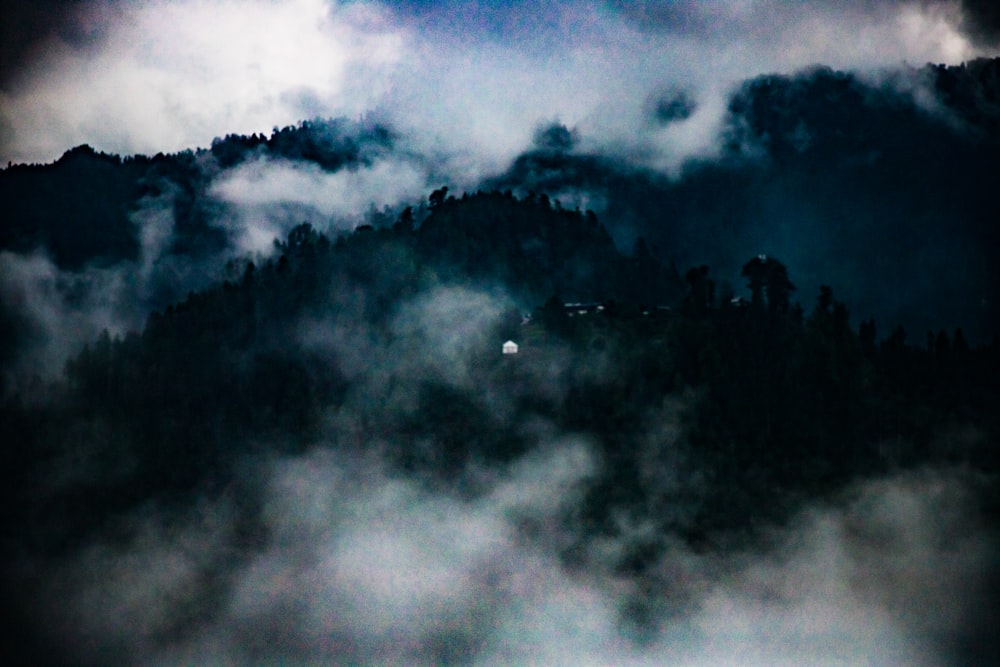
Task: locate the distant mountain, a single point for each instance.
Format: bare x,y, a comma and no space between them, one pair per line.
345,397
885,189
389,338
79,209
883,186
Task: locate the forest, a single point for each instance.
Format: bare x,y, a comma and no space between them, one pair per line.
388,339
699,413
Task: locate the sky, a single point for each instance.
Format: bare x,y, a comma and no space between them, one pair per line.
468,81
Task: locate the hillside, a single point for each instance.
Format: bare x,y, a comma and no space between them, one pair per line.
765,387
882,186
400,328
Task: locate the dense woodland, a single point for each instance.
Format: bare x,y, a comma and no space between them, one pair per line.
773,401
819,168
716,407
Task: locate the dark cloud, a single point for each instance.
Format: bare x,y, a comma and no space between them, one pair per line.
981,21
28,30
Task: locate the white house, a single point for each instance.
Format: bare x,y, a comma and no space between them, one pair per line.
510,347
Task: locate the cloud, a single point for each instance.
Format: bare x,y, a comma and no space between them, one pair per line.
339,554
608,62
49,314
359,564
353,561
445,327
262,189
164,76
891,576
442,337
981,20
467,83
29,29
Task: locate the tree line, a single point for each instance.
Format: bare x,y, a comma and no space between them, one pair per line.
772,401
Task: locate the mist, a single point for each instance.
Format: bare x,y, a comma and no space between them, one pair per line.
252,326
269,198
351,561
346,552
49,315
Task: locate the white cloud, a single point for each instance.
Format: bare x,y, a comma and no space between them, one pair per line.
173,75
52,313
168,75
264,191
346,192
360,564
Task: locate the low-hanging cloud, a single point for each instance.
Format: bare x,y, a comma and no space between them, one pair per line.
49,314
339,554
892,575
355,562
359,565
260,190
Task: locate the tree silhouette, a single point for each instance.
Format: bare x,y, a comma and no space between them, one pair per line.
767,277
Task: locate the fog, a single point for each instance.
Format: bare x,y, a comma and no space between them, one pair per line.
353,562
339,554
262,191
48,315
361,546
